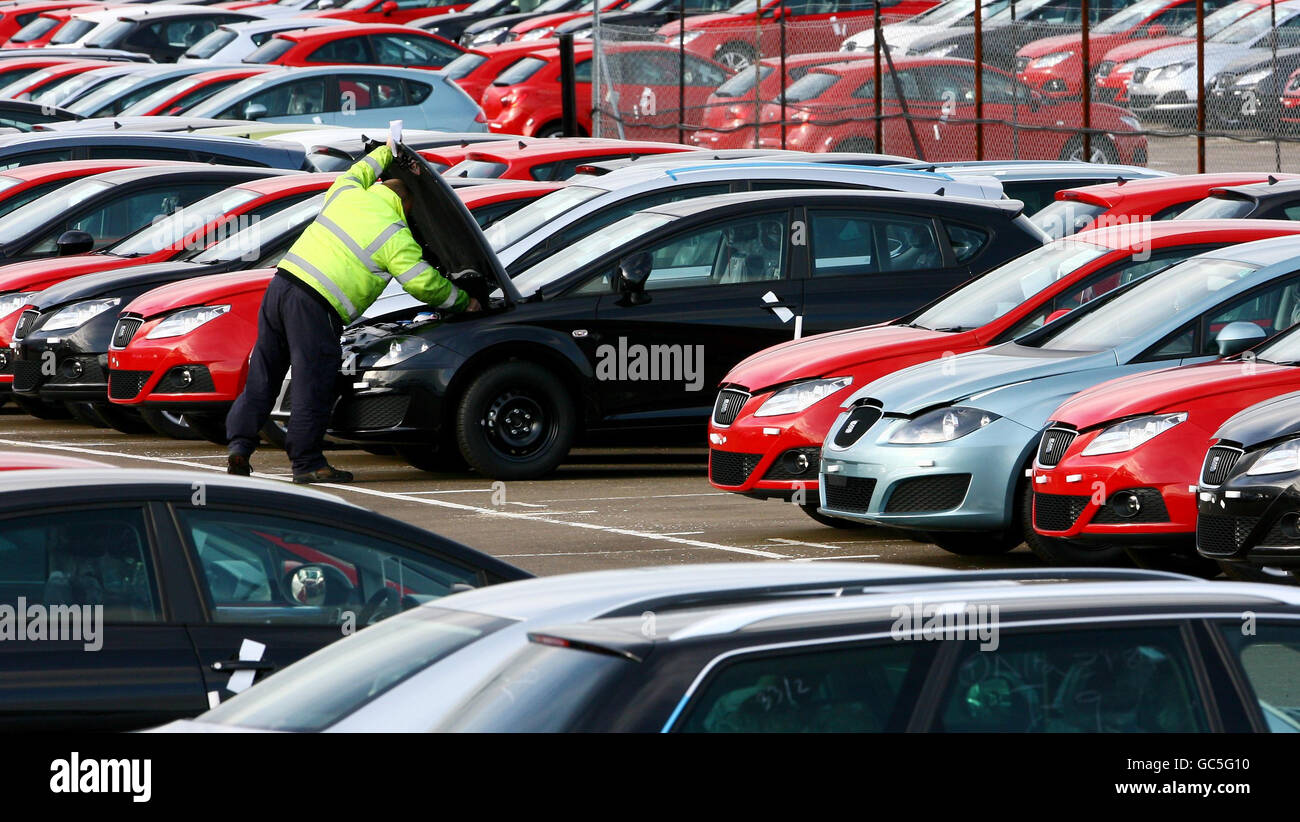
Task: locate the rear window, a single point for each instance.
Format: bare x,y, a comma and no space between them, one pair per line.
743,82
326,686
34,30
1218,208
270,51
1064,218
110,34
480,169
463,65
810,86
72,30
519,71
211,44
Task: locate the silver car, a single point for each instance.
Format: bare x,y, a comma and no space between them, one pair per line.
235,41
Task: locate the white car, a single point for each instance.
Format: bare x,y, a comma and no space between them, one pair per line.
233,42
900,35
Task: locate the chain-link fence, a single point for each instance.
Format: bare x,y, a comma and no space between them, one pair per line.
1179,85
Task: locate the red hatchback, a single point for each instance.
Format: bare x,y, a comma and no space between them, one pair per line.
792,392
373,45
830,109
20,78
14,17
475,70
551,159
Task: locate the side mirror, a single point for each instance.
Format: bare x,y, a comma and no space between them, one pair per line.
633,270
307,585
1056,315
74,242
388,8
1156,30
254,111
1236,337
1035,100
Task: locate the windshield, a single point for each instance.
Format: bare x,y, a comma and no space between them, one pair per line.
171,230
952,11
20,81
1065,217
113,95
212,44
35,29
1171,295
809,86
744,7
1021,10
1283,348
326,686
538,213
68,88
71,31
1221,19
1219,208
1006,287
463,65
249,243
743,82
588,250
519,71
177,89
1247,29
105,36
17,224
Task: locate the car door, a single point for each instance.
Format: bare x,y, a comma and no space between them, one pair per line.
870,266
1271,308
705,306
288,102
276,587
111,654
374,100
1264,654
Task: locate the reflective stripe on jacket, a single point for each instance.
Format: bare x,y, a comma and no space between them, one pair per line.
360,241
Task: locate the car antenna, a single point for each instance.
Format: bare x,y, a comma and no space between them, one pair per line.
1119,181
1272,180
939,193
522,145
464,143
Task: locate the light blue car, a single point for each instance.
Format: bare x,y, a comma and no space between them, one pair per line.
352,96
943,447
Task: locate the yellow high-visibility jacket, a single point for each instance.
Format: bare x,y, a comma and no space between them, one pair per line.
360,241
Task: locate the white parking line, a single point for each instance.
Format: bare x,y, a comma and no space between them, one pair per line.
850,556
822,545
496,512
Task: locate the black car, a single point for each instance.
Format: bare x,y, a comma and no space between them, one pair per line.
494,27
1013,28
1247,94
26,149
163,33
1248,498
27,116
1273,200
191,582
100,210
631,328
642,14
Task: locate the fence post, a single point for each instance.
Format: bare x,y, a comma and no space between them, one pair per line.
781,11
1085,12
979,80
568,87
597,53
1200,87
1272,38
877,90
681,72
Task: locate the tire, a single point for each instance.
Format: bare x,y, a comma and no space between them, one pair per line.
550,130
736,55
209,427
1055,551
434,459
1178,561
84,413
168,424
274,433
833,522
515,422
1103,150
42,410
857,144
123,419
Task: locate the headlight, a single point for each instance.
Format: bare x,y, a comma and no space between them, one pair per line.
78,314
1253,77
1130,122
1126,436
685,37
9,303
941,51
537,34
942,425
798,397
1279,458
1053,59
488,35
185,321
1172,71
399,350
1124,68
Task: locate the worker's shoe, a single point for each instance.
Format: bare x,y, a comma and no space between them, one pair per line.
238,465
327,474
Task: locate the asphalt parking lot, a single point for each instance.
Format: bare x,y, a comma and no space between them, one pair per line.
606,508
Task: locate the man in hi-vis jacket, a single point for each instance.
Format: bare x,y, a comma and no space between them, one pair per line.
334,271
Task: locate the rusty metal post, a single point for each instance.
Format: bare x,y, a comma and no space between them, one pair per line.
781,69
877,91
1277,142
979,81
1085,11
681,72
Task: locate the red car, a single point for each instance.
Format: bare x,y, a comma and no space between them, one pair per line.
829,109
380,11
1153,199
1114,72
642,77
1291,100
44,27
1054,65
541,26
475,70
14,17
25,82
20,185
370,45
551,159
222,339
792,392
751,28
730,111
174,98
1131,485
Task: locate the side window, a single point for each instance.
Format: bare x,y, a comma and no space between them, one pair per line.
582,72
1292,212
1179,344
999,88
1170,212
370,92
135,153
417,93
966,241
860,689
1272,309
285,99
613,214
128,214
1116,680
738,251
261,569
889,85
1270,658
848,243
701,73
411,50
88,557
33,157
954,83
351,50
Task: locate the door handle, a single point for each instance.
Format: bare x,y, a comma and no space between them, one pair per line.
243,665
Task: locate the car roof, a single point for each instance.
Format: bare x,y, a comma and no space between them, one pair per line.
1260,252
80,481
1274,187
156,10
1111,193
1043,169
180,169
280,183
74,168
281,24
684,208
330,32
566,146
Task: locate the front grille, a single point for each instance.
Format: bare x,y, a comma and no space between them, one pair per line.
1022,63
80,371
1104,68
1223,82
781,469
25,322
27,374
1141,100
1219,462
1222,536
731,467
727,406
1276,538
851,494
1151,509
1105,94
174,382
1052,446
938,493
126,385
125,330
1057,512
380,411
860,419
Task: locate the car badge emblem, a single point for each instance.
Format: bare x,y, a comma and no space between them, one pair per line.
1214,463
1051,443
848,429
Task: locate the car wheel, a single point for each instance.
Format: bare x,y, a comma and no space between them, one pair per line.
42,410
1056,551
84,413
121,418
550,130
834,522
274,433
168,424
515,421
1178,561
1103,150
436,459
736,56
211,427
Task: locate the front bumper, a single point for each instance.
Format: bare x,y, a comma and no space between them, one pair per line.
54,369
1083,500
202,370
394,405
967,484
1250,519
760,456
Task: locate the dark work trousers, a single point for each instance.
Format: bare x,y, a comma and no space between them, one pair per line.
295,328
